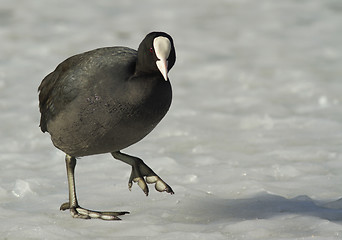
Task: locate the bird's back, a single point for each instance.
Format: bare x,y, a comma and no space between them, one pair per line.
68,80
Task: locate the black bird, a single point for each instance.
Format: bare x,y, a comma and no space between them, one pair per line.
105,100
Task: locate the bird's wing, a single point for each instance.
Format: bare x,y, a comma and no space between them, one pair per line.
63,85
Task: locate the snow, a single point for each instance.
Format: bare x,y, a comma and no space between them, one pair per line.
251,145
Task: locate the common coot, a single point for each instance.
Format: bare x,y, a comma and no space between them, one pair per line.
105,100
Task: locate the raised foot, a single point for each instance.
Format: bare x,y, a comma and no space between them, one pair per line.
142,174
79,212
160,185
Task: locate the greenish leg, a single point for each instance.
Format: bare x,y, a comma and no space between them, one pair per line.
75,210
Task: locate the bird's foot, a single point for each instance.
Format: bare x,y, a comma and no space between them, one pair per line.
144,175
79,212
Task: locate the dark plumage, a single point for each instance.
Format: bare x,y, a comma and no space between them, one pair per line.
105,100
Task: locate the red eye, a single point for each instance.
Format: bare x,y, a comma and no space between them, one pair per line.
151,50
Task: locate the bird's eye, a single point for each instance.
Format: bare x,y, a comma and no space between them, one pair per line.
151,50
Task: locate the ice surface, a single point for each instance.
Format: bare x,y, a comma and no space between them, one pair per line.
251,145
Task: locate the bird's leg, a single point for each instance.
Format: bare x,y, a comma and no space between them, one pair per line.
140,171
75,210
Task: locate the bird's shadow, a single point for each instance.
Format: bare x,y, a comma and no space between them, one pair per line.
264,206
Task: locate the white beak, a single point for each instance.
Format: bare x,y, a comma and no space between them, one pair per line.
162,48
162,66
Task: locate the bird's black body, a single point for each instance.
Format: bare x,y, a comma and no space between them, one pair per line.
102,106
106,99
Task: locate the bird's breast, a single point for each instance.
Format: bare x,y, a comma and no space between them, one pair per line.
108,120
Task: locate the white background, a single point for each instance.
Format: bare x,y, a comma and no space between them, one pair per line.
252,145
